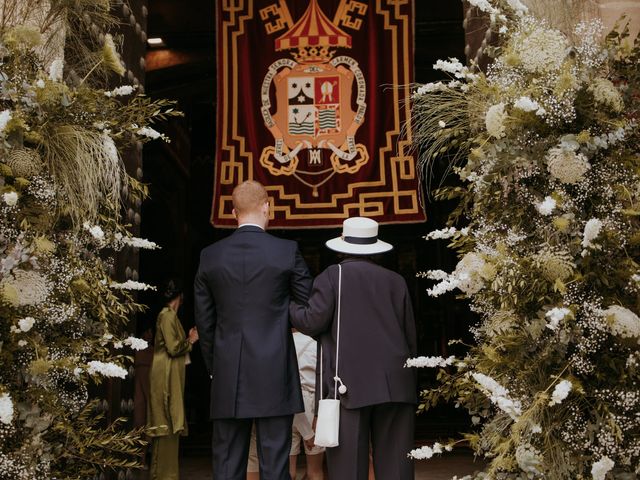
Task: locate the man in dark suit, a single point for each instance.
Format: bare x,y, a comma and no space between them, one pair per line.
242,292
377,335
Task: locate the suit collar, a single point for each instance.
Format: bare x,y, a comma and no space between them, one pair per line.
357,259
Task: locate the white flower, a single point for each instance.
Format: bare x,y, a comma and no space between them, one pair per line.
136,343
10,198
484,6
528,459
542,49
132,285
560,392
600,469
106,369
498,395
430,88
494,120
475,420
56,70
446,233
441,124
605,93
138,243
150,133
447,283
622,321
566,165
25,287
426,452
77,372
120,91
547,206
430,362
95,231
6,409
536,428
569,142
470,276
117,345
555,316
453,66
22,343
5,118
472,272
40,83
591,231
26,323
526,104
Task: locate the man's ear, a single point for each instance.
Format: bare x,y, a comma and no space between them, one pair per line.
234,213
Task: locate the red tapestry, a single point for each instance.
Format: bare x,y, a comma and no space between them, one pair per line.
310,105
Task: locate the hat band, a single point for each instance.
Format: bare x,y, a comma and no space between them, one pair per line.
361,240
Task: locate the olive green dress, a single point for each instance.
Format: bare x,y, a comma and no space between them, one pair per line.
165,417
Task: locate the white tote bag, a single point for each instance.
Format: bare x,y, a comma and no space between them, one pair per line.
328,423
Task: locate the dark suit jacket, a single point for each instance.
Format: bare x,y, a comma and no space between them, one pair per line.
377,333
242,292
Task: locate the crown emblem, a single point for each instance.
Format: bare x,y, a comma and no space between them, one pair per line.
313,35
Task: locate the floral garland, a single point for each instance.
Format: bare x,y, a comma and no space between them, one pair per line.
62,182
545,144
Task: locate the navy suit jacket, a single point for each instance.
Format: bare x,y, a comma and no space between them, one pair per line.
242,292
377,333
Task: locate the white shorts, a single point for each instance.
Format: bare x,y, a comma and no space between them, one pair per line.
296,438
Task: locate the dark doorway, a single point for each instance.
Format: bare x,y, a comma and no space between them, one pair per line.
180,174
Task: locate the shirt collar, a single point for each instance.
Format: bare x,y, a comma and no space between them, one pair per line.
250,225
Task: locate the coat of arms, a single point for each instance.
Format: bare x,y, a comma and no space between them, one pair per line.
315,125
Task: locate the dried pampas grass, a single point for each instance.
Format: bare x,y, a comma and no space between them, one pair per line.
564,15
88,170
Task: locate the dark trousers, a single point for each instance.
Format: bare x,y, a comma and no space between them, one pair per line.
388,428
231,439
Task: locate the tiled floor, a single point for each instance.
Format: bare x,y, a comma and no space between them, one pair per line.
440,468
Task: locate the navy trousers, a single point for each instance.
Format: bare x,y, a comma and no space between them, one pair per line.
387,429
231,437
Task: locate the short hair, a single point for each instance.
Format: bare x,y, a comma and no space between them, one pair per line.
248,197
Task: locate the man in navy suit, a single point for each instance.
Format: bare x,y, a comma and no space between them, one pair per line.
242,292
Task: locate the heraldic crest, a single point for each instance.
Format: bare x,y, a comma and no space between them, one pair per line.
314,126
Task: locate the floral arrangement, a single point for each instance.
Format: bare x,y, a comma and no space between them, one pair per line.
546,146
62,183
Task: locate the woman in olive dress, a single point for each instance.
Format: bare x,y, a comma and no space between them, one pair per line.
166,420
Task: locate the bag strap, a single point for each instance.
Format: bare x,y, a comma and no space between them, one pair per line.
336,379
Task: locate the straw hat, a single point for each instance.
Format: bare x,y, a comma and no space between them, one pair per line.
359,237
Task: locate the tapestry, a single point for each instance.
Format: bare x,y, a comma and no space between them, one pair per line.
313,102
